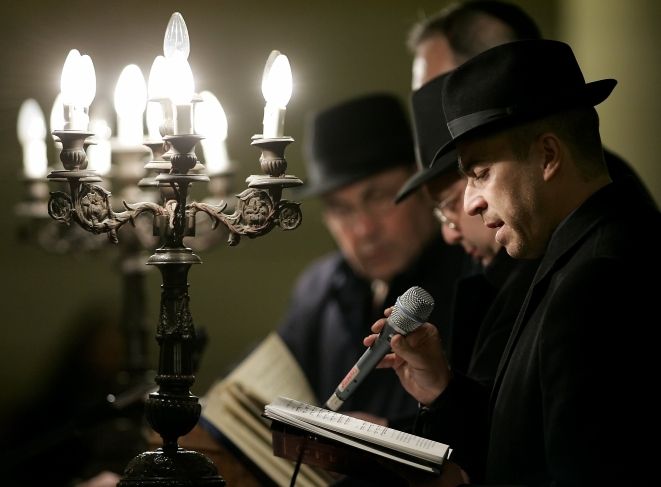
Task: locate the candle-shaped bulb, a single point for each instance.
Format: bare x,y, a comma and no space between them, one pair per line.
69,85
99,154
31,128
158,77
176,42
155,119
130,101
57,114
88,80
277,90
211,122
277,82
157,89
78,88
181,85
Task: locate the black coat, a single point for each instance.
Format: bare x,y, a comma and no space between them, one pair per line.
330,314
486,306
573,392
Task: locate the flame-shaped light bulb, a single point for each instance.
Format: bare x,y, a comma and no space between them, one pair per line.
130,101
179,81
57,114
277,89
211,122
78,88
31,129
176,42
157,90
99,154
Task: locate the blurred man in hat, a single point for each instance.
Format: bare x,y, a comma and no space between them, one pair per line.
359,153
567,405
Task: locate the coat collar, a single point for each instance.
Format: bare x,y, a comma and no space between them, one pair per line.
577,225
571,231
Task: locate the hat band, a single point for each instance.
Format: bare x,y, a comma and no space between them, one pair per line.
461,125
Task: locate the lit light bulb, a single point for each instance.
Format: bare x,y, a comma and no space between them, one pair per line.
99,154
87,81
181,85
130,102
57,114
176,42
69,86
158,76
277,81
179,82
78,88
31,128
155,119
211,122
277,90
157,89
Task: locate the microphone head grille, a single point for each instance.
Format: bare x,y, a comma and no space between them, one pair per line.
411,310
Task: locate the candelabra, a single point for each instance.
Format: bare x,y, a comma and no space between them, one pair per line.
172,410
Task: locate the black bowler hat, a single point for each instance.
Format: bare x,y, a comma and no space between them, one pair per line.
513,83
431,133
354,140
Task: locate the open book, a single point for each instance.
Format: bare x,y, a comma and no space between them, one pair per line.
234,406
387,443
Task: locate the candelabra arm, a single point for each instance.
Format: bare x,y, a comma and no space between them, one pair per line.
89,206
256,213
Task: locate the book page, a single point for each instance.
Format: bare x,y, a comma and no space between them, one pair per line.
253,437
234,405
278,414
387,437
268,372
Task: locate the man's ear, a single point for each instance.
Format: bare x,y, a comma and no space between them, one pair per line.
551,150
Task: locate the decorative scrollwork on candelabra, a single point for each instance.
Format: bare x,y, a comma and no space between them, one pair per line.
89,206
255,215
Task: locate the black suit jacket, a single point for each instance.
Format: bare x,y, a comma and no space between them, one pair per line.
574,386
485,309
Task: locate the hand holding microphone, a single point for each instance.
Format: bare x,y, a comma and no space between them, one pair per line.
410,311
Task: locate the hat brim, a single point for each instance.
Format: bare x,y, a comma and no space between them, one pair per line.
593,94
423,176
330,184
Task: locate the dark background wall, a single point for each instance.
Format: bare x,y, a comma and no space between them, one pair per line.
336,49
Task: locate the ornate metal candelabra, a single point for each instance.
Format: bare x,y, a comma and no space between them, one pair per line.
172,410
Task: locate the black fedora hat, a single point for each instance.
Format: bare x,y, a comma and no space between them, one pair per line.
355,139
513,83
431,133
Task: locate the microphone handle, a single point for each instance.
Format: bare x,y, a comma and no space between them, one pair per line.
365,364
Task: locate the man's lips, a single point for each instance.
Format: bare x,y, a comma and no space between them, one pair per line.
495,224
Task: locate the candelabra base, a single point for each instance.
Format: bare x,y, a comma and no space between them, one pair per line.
183,468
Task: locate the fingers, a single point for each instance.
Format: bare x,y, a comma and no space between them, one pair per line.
417,346
369,340
390,361
378,325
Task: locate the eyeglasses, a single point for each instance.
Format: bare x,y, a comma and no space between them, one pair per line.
374,204
445,206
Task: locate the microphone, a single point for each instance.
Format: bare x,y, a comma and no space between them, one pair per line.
410,311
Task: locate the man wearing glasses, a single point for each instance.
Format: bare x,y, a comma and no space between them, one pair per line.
358,154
